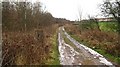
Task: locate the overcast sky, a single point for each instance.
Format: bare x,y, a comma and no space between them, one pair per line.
69,9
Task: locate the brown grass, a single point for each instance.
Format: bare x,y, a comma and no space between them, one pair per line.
24,48
98,39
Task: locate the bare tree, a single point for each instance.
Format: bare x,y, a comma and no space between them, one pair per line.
112,8
80,14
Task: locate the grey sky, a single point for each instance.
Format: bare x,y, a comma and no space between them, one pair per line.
69,9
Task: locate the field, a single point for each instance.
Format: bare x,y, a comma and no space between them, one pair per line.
108,26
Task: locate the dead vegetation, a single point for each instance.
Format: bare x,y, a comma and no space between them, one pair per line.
31,48
96,39
26,34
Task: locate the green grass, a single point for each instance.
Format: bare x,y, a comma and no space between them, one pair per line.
109,56
108,26
104,26
54,60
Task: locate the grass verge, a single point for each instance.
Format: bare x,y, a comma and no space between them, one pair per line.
54,53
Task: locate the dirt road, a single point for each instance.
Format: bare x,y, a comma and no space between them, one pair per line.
83,56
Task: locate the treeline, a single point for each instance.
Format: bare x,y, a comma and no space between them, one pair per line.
24,16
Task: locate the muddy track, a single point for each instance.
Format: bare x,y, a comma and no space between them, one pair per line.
85,55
